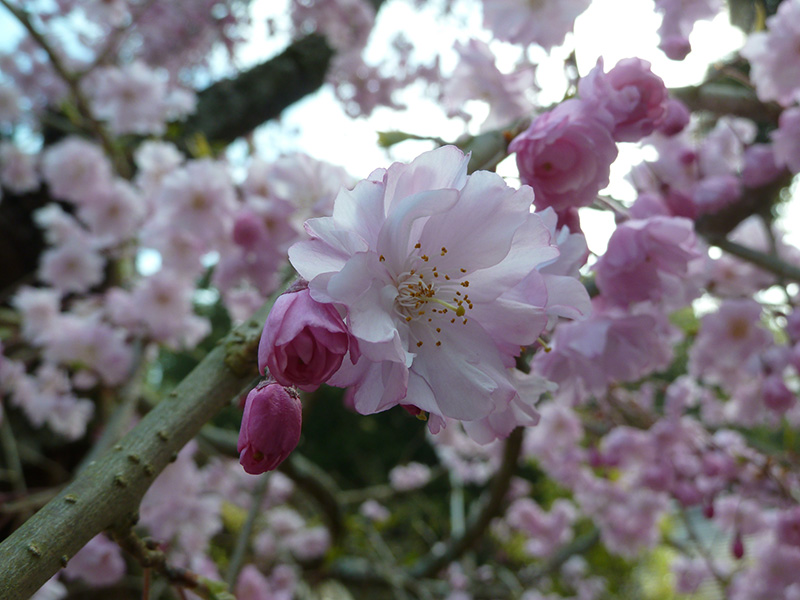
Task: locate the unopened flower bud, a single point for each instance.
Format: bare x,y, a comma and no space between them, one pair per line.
270,427
304,341
737,548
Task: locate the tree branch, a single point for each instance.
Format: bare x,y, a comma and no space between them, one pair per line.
234,107
726,99
106,494
760,259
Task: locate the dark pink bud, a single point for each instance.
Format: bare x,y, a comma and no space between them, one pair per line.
304,341
737,548
708,510
270,427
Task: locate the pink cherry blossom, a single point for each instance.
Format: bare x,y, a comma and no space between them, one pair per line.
610,346
74,168
409,477
543,22
436,273
565,156
676,118
546,531
304,341
714,193
728,342
786,139
18,170
270,427
648,260
678,22
134,98
252,585
99,563
776,395
761,165
774,68
631,93
72,267
476,77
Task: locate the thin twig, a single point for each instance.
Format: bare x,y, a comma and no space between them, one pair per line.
152,558
455,547
702,551
16,474
760,259
246,532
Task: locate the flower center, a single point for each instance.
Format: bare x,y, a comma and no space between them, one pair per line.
425,294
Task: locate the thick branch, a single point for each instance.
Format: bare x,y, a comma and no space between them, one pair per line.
106,494
726,99
232,108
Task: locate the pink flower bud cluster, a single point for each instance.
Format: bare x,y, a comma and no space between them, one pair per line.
566,154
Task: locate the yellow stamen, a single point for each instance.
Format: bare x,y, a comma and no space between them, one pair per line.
459,310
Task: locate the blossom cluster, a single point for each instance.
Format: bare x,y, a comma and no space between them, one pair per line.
641,398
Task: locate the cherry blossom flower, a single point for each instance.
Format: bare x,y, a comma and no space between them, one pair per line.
774,68
786,139
631,93
649,260
476,77
99,563
74,168
678,22
547,531
543,22
566,155
18,170
136,99
761,165
408,477
728,342
436,272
